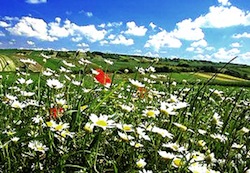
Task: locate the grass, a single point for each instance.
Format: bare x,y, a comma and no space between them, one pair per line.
149,124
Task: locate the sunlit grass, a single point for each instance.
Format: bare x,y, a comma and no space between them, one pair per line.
57,121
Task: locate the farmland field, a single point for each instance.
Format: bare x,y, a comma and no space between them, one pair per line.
90,113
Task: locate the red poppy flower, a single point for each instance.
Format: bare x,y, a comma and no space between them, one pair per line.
56,112
102,78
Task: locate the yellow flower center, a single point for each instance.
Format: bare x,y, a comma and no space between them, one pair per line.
59,127
126,128
178,162
102,123
151,113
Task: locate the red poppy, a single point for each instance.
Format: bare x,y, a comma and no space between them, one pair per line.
56,112
103,78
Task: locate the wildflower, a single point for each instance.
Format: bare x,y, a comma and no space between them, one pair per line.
177,162
244,130
174,83
182,127
108,61
220,137
216,120
145,171
201,143
125,137
165,155
125,127
136,144
27,94
102,78
141,163
142,134
61,102
37,146
15,139
136,83
163,132
216,92
56,112
68,64
167,109
141,91
150,113
45,56
84,61
17,104
60,127
126,108
54,83
174,147
24,81
38,119
88,127
47,73
173,99
101,121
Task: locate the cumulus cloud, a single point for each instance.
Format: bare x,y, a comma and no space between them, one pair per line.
90,32
163,39
76,39
133,29
200,43
224,2
221,17
4,24
236,44
82,45
31,27
188,30
152,25
60,31
31,43
243,35
36,1
223,54
120,39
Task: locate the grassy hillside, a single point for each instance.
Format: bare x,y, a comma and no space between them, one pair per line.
173,69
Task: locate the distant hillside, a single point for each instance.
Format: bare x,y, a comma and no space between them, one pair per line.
10,60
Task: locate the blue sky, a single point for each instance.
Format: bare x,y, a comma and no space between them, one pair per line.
214,30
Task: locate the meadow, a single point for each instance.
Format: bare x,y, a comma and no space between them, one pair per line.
89,114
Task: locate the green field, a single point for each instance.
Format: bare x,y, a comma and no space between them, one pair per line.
78,112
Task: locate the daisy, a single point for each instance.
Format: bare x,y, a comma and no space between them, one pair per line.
163,132
141,163
101,121
54,83
125,127
150,113
136,83
165,155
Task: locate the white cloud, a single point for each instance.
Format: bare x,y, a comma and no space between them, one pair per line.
120,39
4,24
32,27
57,31
190,49
188,30
244,35
1,43
163,39
111,36
82,45
152,25
150,54
224,2
89,14
31,43
221,17
90,32
36,1
200,43
114,24
202,57
224,54
2,34
133,29
236,44
76,39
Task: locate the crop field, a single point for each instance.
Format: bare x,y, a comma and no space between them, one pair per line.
87,114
